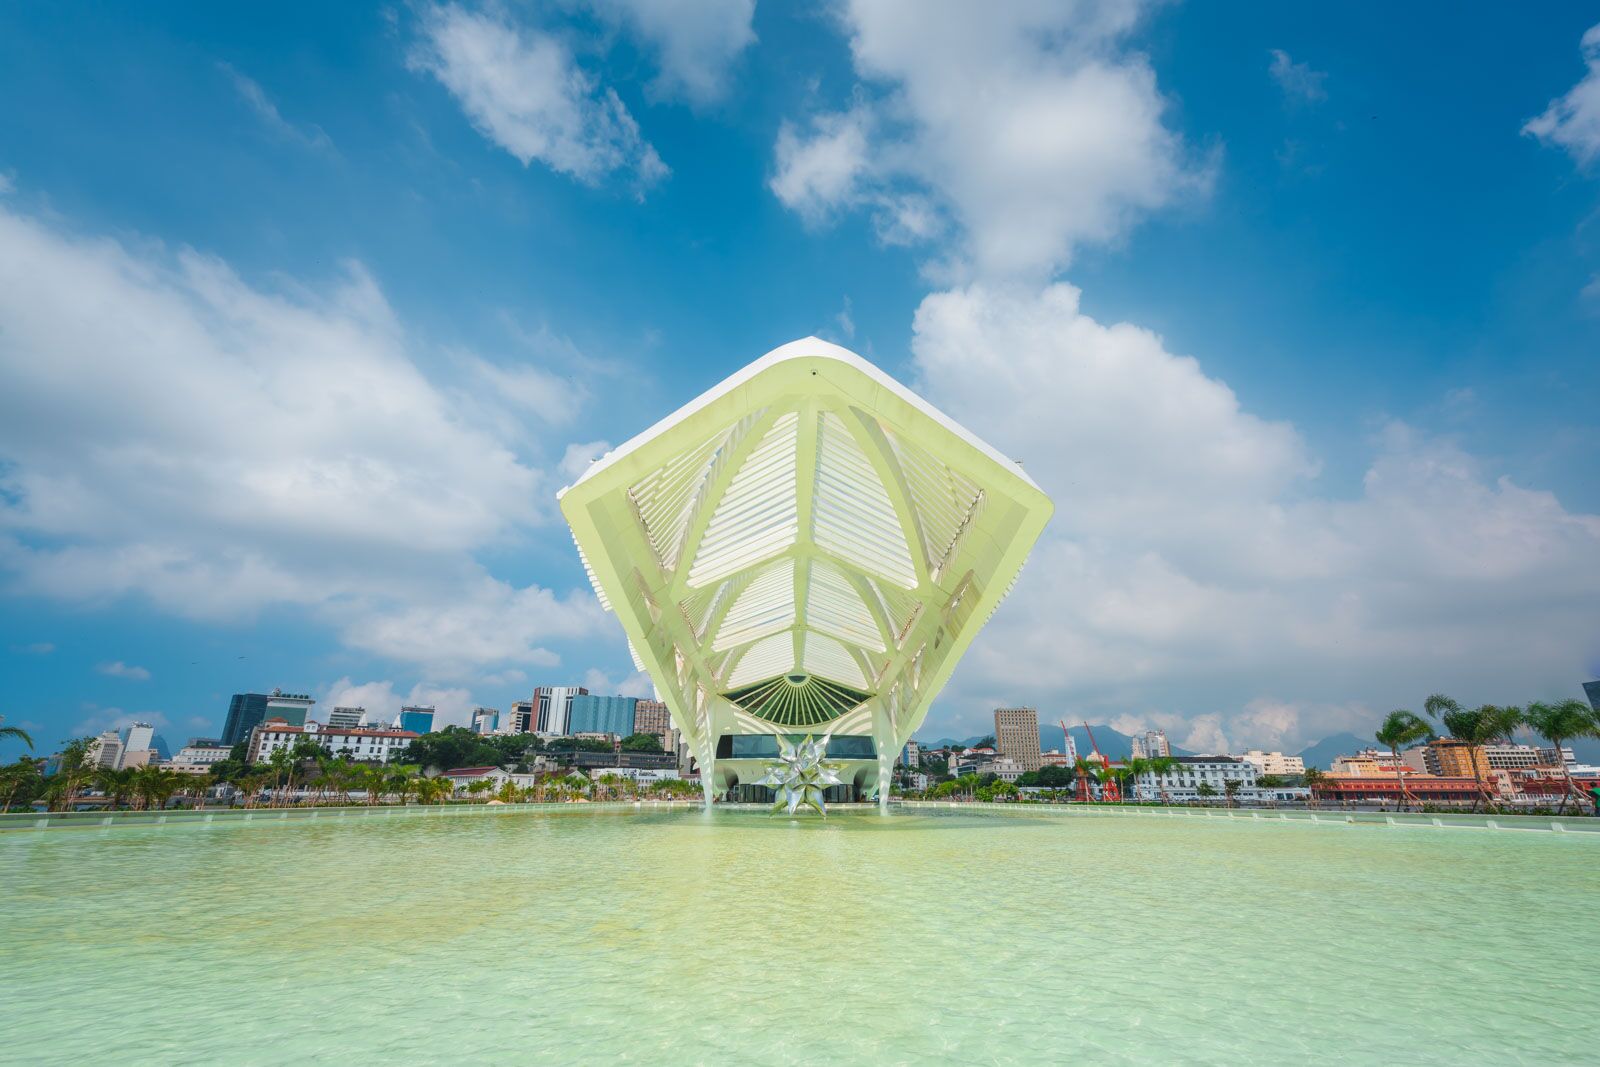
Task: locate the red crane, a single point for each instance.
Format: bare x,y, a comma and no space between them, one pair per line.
1109,789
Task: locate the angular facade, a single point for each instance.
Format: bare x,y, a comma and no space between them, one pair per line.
807,548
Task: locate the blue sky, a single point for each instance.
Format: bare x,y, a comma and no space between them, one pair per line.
305,314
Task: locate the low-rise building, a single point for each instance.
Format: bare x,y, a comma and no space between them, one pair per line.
1054,758
1275,763
197,758
1182,783
369,746
642,775
1003,767
1367,762
1523,757
1385,788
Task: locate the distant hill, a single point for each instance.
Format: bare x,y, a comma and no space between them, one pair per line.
1324,752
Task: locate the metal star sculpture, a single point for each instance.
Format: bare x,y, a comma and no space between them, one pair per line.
800,775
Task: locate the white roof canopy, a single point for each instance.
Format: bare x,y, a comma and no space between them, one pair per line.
807,547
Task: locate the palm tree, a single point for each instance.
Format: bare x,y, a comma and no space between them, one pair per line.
480,787
1402,729
118,785
1231,787
17,732
1478,727
156,785
1090,773
1563,722
26,771
1312,778
1128,776
198,788
1161,766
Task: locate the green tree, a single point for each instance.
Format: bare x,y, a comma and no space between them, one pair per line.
1232,787
1563,722
1206,789
1402,729
1483,725
156,785
21,780
1313,777
1160,767
15,732
117,785
641,743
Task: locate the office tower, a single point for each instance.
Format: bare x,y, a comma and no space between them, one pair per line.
418,718
135,738
552,705
245,713
1592,691
1016,734
652,717
292,708
588,714
523,719
485,720
105,751
345,718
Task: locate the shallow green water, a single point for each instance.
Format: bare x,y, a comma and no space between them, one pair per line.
679,938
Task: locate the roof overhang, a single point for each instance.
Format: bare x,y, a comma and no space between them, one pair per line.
807,547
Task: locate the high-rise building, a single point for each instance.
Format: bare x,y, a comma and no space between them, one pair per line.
589,714
1452,758
345,718
1016,734
485,720
911,755
292,708
105,751
551,706
522,719
246,711
417,718
136,737
1592,691
1150,744
652,717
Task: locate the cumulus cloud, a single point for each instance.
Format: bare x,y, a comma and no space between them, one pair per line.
1572,121
171,432
1030,127
1297,80
522,88
637,684
1195,566
119,669
695,41
98,720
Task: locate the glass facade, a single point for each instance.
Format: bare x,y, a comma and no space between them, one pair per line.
418,721
765,746
245,713
591,714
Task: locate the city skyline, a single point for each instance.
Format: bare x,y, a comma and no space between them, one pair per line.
1273,334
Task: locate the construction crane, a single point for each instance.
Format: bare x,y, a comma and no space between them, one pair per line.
1108,788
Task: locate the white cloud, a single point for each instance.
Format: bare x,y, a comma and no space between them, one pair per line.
1572,121
1297,80
452,707
523,89
636,684
819,170
38,648
579,457
119,669
171,432
311,135
1193,568
696,41
1029,126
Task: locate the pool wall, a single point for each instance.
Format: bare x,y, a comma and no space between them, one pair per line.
100,820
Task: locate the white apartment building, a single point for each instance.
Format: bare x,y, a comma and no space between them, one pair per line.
1183,782
642,775
1148,745
197,759
1275,762
1523,757
367,746
1003,767
105,751
345,718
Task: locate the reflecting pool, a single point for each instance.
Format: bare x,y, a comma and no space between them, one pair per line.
737,938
